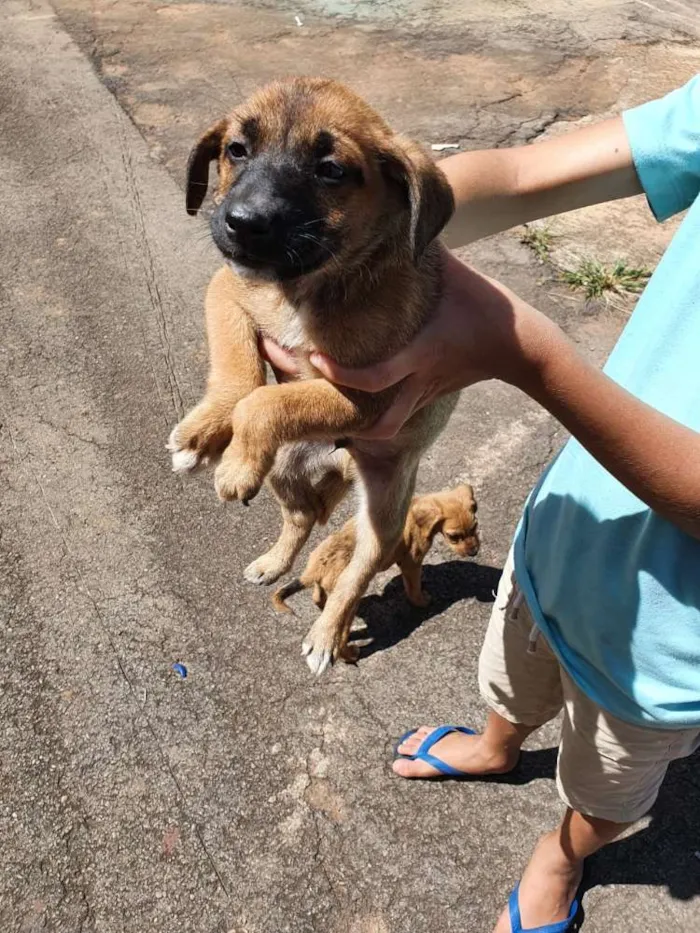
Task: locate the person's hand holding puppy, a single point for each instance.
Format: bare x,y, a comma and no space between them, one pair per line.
481,330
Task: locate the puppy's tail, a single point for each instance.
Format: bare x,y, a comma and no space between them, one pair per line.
284,592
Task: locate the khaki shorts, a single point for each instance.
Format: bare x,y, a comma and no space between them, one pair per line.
606,768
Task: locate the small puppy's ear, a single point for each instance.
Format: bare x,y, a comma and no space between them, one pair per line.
423,519
429,195
204,152
466,493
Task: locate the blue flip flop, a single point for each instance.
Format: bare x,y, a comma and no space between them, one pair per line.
516,924
423,753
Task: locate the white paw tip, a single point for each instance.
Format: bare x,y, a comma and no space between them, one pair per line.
253,575
318,661
184,461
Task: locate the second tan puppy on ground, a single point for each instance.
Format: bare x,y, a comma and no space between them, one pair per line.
451,513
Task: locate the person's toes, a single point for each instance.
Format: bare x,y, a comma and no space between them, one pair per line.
413,769
411,745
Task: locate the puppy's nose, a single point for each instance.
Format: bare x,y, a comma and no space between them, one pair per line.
247,222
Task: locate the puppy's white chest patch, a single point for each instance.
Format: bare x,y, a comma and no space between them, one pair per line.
293,333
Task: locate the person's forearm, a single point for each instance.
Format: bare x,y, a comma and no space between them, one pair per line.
501,188
654,456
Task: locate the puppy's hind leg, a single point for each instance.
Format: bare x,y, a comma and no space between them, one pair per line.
387,487
297,525
303,503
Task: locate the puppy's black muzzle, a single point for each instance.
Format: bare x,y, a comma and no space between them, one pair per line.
270,221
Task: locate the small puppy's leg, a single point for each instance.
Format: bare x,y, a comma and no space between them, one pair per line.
411,575
387,487
235,370
319,595
296,528
277,414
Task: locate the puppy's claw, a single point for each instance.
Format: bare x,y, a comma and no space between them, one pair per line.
234,480
318,661
350,654
172,444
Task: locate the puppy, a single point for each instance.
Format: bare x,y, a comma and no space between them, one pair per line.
451,513
327,222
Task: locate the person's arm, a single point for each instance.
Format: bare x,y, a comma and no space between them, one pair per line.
501,188
484,331
655,457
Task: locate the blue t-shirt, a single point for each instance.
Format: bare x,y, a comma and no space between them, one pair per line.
613,585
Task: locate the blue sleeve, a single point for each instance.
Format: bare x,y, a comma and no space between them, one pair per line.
664,136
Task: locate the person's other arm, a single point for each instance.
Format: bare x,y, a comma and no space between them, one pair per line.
496,189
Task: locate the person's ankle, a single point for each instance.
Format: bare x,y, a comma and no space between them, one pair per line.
559,860
499,759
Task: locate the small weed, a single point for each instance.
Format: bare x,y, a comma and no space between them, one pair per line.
600,281
539,240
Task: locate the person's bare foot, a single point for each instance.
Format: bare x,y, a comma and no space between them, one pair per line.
547,889
468,753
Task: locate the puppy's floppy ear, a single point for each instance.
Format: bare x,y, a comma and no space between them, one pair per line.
429,195
424,517
204,152
466,492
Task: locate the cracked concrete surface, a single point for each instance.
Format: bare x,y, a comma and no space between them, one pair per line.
250,798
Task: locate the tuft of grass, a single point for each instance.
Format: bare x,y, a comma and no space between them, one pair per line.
539,240
600,281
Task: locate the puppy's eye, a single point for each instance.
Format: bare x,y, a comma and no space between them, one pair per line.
330,172
237,151
454,537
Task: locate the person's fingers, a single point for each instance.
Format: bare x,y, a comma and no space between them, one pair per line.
279,357
370,378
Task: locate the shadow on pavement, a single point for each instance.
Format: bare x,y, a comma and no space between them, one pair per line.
667,851
390,618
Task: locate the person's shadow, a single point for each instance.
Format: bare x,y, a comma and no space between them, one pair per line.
667,851
389,618
664,853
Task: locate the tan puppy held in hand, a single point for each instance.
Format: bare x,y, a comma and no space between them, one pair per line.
451,513
327,222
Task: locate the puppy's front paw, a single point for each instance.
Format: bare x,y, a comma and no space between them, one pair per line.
266,569
200,437
236,479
